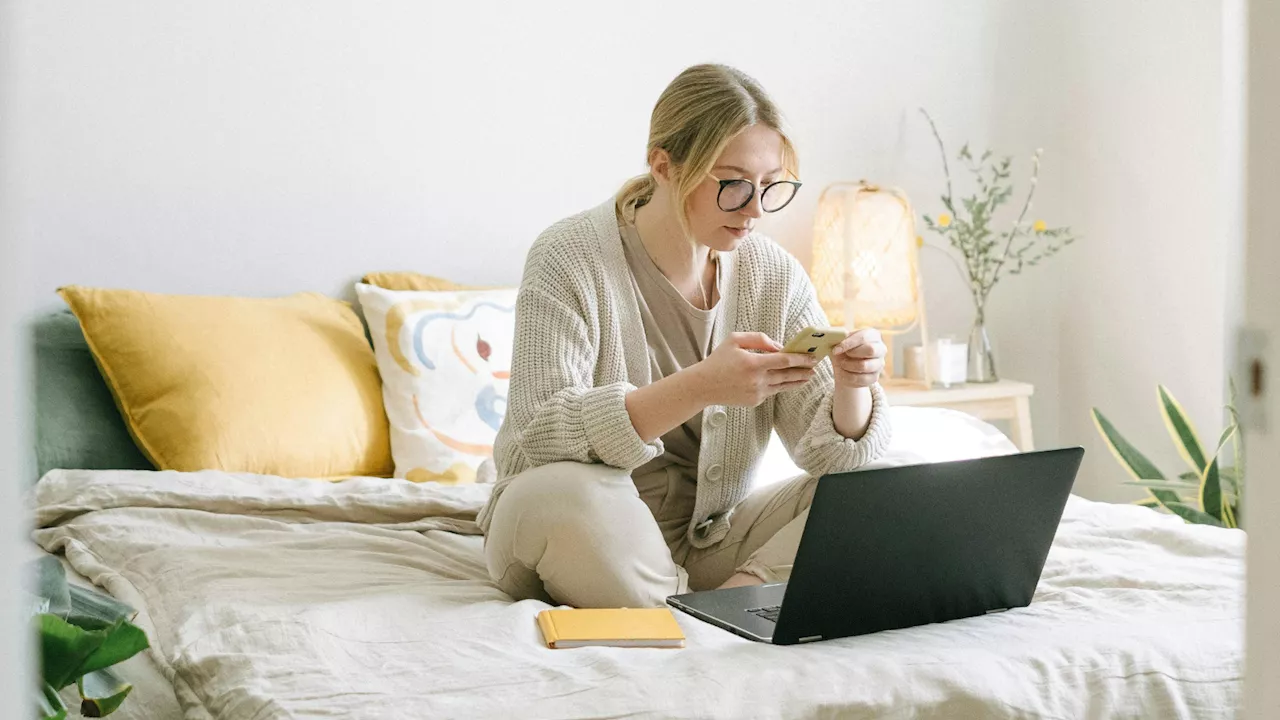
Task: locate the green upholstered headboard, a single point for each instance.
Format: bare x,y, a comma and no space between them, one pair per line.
77,424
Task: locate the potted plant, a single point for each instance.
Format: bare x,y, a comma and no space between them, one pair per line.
1208,493
990,254
82,634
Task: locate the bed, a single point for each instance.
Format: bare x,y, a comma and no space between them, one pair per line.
269,597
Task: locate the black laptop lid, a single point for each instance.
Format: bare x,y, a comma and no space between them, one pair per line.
918,544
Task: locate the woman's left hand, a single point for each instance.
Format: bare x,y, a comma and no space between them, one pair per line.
859,359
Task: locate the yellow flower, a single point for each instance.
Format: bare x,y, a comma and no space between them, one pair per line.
944,220
1039,226
919,241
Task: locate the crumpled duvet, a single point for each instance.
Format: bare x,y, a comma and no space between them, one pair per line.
275,598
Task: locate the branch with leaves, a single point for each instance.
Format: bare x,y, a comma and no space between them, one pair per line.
988,254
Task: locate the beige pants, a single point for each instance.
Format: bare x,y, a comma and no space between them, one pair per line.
590,536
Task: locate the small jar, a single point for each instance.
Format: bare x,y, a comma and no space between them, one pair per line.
949,362
913,362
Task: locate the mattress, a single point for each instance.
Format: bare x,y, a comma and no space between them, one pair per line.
276,598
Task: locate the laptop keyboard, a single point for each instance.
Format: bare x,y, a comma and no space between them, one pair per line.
769,613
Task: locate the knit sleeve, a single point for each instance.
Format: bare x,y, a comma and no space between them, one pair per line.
555,412
803,417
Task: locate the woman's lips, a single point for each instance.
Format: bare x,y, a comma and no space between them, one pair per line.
737,231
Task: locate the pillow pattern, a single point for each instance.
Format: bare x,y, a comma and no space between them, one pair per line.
445,359
275,386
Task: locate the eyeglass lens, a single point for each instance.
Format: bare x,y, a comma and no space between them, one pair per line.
735,194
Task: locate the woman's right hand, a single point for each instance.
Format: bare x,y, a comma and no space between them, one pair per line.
734,375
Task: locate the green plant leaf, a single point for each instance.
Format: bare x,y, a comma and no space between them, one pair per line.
1225,437
1181,430
1237,469
1236,478
68,651
1212,498
51,585
1192,515
93,610
1164,497
1179,484
1229,515
1228,474
123,640
1148,502
49,704
1231,479
101,693
1135,462
64,648
1211,491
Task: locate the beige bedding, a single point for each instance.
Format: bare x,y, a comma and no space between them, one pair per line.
275,598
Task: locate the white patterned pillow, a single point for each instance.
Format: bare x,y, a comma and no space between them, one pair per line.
445,359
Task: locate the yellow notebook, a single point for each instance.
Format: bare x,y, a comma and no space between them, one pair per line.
611,627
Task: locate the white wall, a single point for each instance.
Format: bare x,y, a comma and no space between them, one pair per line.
243,148
14,617
1144,296
267,148
1024,312
1128,106
264,149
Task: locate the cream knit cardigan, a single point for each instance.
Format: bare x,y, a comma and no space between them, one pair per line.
580,348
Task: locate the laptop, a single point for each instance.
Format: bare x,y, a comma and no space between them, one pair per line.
905,546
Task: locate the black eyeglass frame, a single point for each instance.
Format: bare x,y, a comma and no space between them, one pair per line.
726,183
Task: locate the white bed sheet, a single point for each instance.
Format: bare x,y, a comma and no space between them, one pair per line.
152,696
275,598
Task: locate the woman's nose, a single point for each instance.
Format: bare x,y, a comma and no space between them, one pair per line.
753,209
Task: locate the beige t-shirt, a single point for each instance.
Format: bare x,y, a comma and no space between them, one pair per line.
678,335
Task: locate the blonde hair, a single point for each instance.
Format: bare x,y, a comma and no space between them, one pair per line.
696,116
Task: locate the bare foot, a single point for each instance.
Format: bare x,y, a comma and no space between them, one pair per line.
741,580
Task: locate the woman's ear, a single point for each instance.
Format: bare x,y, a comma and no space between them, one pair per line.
660,167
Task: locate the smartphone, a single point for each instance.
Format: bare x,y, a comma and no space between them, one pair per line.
816,341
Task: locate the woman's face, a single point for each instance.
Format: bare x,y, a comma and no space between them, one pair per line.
755,155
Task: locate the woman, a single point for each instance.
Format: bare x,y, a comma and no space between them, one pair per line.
646,377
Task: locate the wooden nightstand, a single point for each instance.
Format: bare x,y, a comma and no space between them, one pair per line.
1001,400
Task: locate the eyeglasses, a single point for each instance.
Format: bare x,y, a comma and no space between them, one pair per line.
735,194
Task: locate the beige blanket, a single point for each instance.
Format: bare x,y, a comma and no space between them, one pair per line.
273,598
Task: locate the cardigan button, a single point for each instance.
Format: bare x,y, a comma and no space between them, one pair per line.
715,472
718,417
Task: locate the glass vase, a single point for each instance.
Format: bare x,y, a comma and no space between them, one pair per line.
982,361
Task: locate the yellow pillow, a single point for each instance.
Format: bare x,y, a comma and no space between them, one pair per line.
278,386
401,281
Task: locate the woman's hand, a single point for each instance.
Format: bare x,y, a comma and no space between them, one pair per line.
859,359
733,375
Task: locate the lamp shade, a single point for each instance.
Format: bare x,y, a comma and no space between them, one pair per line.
865,257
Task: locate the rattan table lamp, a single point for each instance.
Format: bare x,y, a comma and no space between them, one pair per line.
866,265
